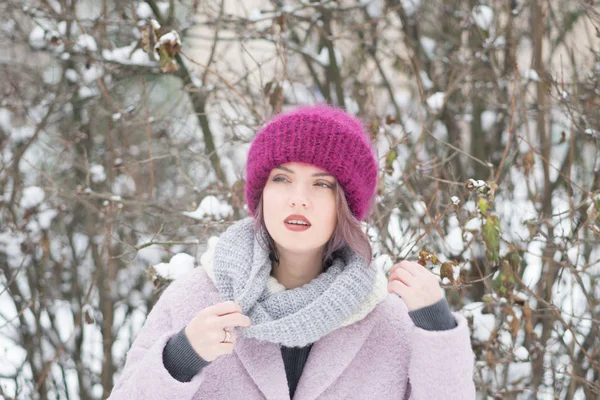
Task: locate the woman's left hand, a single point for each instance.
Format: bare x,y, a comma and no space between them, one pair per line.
415,284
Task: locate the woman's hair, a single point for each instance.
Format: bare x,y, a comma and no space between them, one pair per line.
348,231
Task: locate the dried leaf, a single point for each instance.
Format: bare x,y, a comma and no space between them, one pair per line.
88,317
514,322
267,88
563,137
528,162
447,271
425,256
167,48
276,98
481,187
527,317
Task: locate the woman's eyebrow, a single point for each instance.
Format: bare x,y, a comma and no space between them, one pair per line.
315,174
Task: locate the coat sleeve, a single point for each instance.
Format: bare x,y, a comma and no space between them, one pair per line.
442,363
144,375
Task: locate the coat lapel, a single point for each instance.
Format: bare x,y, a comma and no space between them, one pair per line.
264,364
330,356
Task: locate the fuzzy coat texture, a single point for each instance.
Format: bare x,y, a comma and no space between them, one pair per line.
382,356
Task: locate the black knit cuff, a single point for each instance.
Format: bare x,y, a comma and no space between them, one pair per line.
180,358
436,317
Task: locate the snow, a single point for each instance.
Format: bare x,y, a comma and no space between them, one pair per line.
403,98
454,237
10,245
532,75
533,260
254,15
419,207
428,45
143,11
477,183
64,319
45,218
487,119
168,37
323,57
149,255
92,73
176,267
5,120
86,42
425,81
163,7
410,6
474,224
22,133
32,197
97,173
383,262
297,93
211,206
52,74
37,37
124,55
139,56
483,17
72,75
373,7
124,186
436,101
483,324
86,92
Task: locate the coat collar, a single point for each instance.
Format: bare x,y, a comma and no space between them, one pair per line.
327,360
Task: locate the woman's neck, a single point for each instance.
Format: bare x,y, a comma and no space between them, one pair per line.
297,269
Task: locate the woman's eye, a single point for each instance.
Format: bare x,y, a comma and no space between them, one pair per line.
324,185
279,179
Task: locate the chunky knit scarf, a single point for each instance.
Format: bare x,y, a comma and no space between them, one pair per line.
239,265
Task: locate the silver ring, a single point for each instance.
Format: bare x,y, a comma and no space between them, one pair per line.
227,336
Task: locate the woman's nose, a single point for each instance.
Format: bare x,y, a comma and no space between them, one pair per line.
293,202
298,198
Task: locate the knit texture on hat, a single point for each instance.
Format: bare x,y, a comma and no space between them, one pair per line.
345,293
319,135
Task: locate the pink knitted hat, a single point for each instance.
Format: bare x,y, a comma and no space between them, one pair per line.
319,135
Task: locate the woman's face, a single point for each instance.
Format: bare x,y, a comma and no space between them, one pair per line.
302,190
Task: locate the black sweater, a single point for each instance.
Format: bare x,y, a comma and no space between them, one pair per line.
183,363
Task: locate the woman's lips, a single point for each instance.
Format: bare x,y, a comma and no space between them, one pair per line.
296,228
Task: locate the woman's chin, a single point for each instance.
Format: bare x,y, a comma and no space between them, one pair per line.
296,247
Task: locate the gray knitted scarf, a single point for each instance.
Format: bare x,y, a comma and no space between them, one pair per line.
294,317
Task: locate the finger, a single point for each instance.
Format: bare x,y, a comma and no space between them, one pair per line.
402,265
224,308
414,268
233,320
226,348
233,337
397,287
404,276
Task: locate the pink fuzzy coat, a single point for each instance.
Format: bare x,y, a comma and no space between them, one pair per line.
383,356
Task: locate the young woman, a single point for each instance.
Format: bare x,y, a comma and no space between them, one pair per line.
287,304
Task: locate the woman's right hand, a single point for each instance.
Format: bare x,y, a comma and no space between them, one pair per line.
205,331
